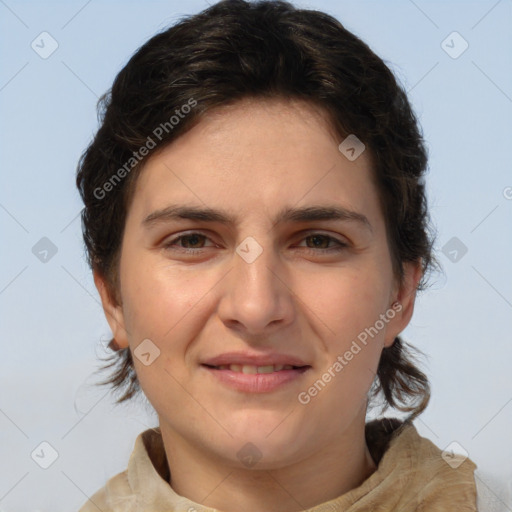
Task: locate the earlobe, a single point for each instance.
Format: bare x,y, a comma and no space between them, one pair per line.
403,301
113,311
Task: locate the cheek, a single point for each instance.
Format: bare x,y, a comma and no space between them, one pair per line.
158,298
345,300
163,305
170,307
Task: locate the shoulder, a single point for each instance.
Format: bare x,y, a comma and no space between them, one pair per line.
115,496
120,492
143,480
422,472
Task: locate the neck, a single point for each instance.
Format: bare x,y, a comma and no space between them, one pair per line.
330,472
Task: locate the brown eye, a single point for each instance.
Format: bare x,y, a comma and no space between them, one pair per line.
321,242
190,242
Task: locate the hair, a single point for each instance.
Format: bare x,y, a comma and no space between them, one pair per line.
264,50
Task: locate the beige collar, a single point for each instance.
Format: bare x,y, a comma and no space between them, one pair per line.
411,475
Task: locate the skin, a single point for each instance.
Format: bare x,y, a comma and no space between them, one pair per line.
252,159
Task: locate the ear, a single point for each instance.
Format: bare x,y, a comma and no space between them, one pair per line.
402,301
113,311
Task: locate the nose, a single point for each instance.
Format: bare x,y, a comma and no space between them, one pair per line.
256,295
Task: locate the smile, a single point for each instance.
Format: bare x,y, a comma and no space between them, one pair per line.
250,369
256,379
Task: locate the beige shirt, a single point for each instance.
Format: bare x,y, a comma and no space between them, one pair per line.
411,476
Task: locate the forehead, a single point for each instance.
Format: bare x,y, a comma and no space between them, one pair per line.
256,156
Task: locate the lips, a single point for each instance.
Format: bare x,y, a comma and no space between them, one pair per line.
250,369
255,373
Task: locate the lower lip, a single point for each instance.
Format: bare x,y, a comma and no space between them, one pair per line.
256,382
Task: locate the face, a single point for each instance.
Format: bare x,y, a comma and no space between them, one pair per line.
265,316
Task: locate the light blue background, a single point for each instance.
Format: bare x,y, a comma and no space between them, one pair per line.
52,326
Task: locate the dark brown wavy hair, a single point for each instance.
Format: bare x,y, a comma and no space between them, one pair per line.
266,50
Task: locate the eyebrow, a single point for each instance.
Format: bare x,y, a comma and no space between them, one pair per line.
304,214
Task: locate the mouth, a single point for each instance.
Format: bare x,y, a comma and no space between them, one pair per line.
249,369
248,378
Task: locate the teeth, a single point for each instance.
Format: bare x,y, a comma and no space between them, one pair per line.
251,369
265,369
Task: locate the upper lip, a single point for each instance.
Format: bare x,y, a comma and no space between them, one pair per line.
245,358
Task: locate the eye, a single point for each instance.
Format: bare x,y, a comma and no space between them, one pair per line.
189,242
321,240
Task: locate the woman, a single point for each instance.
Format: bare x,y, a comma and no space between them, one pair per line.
256,223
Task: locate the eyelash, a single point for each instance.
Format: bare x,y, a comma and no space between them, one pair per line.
340,245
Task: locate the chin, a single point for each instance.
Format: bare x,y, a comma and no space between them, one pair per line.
270,441
262,454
